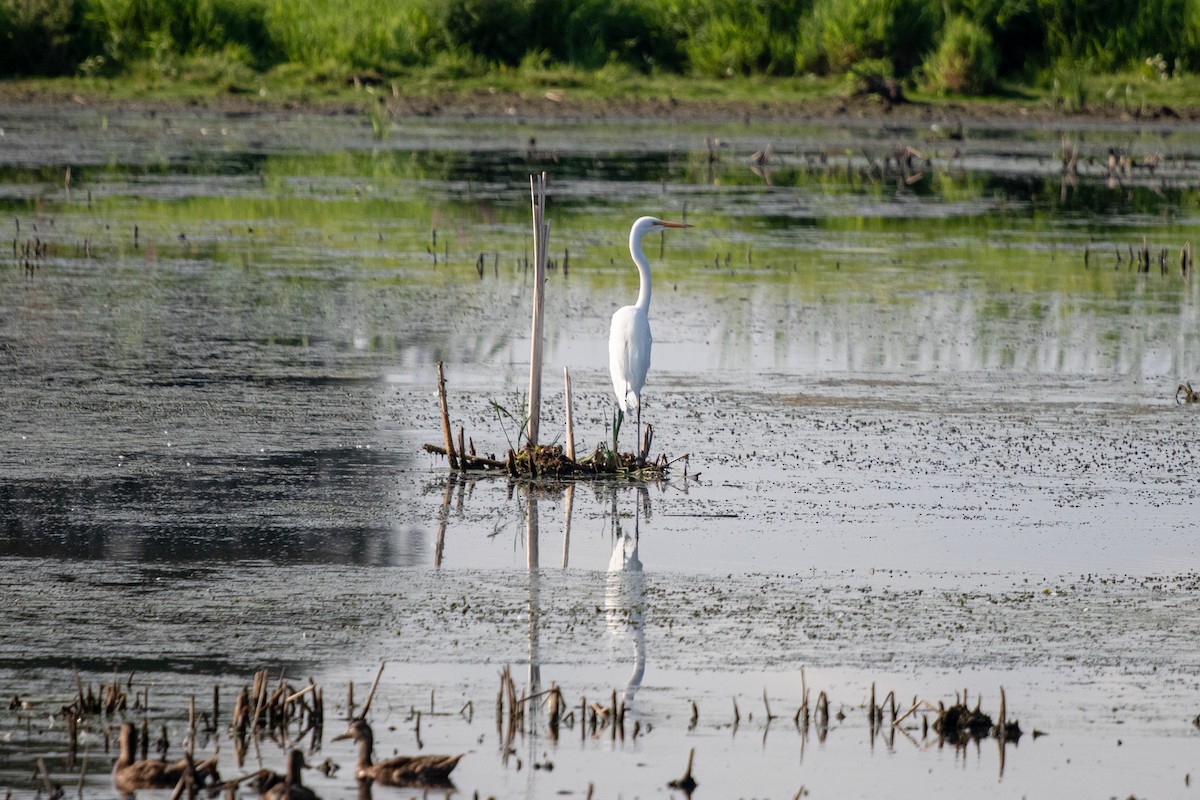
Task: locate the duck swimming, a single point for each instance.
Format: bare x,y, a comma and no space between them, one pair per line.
130,775
290,786
428,770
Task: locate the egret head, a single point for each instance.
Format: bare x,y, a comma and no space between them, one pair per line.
645,225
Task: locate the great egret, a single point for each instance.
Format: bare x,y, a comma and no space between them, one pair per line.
629,338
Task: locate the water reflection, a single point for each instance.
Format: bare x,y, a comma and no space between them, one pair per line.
625,591
624,586
534,604
303,506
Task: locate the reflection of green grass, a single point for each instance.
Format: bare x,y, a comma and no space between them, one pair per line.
364,221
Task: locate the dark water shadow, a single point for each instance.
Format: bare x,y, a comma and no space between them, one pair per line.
317,506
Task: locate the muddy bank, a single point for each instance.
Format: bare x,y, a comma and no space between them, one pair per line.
555,104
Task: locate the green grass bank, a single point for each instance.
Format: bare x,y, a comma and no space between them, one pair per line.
1066,50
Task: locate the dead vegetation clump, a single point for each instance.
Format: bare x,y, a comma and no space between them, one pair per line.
549,460
960,725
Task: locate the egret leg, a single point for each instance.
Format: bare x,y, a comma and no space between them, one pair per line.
638,439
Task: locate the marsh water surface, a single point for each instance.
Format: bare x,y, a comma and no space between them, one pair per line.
928,404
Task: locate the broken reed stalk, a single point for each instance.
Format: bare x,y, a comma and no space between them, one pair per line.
318,712
78,685
687,783
241,709
500,708
766,704
367,705
191,744
516,713
916,704
181,786
260,696
1003,713
541,235
47,784
294,696
802,711
554,704
570,422
445,422
73,739
568,508
508,696
82,774
613,712
647,439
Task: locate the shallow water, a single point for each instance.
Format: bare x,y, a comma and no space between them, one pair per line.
929,447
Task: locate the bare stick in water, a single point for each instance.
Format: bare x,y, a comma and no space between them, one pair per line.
374,686
570,422
446,418
541,233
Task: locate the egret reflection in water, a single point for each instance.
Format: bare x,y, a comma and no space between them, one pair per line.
625,592
624,584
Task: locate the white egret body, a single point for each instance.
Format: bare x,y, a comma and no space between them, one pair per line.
629,338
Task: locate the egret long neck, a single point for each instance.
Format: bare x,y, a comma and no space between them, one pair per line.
639,258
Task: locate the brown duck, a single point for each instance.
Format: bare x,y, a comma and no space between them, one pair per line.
130,775
289,786
401,770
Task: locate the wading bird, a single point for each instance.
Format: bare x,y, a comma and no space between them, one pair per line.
629,338
398,771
